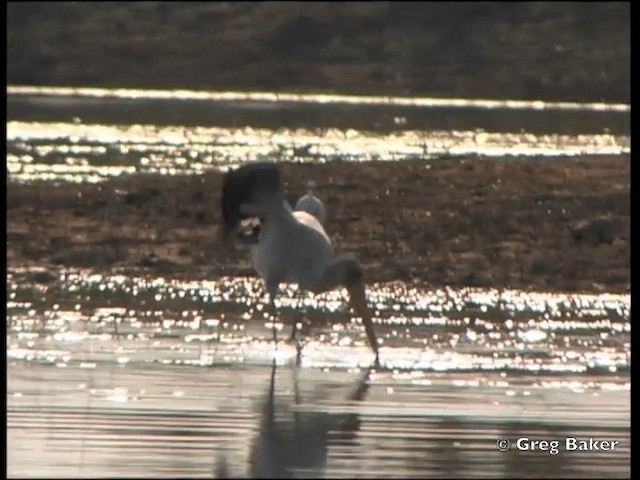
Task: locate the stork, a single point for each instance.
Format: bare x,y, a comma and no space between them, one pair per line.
291,246
312,204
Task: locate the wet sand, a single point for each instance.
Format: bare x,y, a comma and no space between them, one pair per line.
534,224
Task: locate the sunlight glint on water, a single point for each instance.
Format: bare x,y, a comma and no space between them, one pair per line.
117,375
220,322
310,98
89,153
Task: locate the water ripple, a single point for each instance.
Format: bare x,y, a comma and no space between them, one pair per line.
90,318
76,152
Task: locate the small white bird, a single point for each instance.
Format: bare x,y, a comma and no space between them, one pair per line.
291,246
311,204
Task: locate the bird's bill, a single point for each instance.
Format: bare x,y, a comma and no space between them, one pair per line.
226,237
358,302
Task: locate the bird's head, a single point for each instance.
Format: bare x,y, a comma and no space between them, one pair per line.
311,185
226,237
247,192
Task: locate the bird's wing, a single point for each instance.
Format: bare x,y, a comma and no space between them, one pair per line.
302,253
295,250
311,222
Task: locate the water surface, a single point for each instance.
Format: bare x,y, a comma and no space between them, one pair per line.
145,376
78,152
118,374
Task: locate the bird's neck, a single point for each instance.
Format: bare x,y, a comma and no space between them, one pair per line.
279,214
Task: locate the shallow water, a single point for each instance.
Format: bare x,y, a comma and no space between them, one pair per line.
90,135
223,322
72,152
179,421
150,376
117,374
273,110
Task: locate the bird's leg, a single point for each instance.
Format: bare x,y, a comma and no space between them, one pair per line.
298,316
272,289
274,313
294,331
115,329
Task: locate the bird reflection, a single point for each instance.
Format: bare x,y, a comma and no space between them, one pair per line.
293,443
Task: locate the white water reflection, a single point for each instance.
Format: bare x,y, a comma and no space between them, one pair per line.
284,97
94,319
73,152
121,376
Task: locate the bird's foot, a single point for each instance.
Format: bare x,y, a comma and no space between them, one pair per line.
376,363
300,329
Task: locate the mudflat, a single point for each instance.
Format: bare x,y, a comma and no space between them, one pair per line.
549,224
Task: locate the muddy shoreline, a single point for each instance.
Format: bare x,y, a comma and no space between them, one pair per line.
536,224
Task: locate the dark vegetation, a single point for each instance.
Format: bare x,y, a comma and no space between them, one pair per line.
577,51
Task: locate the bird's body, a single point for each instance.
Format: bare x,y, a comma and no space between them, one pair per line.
311,204
292,246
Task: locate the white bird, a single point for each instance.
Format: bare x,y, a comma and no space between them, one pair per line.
291,246
311,204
